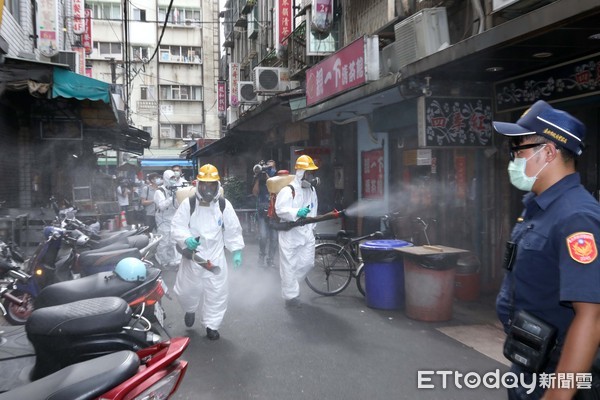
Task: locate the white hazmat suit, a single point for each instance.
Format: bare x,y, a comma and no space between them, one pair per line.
166,205
195,286
296,246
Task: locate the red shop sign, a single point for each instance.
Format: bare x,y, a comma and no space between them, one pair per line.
372,174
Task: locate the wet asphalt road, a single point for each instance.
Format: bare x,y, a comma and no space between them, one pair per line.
330,348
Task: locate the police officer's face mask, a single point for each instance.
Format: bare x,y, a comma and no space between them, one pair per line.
517,175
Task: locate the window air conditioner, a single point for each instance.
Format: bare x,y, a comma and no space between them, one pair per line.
421,34
271,79
66,57
246,92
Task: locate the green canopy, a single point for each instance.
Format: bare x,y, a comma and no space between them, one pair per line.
71,85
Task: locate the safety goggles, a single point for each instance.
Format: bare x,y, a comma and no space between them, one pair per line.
513,152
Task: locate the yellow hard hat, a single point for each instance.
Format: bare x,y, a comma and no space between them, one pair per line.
208,173
306,163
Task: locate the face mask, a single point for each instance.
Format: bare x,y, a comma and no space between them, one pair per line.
177,174
172,181
158,181
516,173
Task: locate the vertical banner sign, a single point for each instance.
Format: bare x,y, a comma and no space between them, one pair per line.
460,173
222,98
47,27
86,38
78,16
284,20
372,174
234,79
88,72
81,65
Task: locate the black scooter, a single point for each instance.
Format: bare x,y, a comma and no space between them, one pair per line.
58,336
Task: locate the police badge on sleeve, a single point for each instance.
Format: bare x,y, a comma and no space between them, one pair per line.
582,247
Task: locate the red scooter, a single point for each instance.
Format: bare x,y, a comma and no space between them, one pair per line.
151,373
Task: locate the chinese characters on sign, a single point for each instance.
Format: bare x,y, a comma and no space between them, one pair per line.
455,122
284,20
222,98
341,71
234,79
576,79
372,174
78,17
86,38
47,25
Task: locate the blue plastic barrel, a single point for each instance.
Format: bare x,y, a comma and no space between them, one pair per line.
384,273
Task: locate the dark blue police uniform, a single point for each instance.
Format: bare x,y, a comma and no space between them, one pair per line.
556,258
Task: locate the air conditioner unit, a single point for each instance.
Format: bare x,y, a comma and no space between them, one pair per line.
66,57
421,34
246,92
271,79
233,113
389,61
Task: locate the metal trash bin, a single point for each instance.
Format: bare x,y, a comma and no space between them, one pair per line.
429,281
384,273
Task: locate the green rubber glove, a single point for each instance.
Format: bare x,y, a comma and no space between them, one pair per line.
303,212
237,259
191,243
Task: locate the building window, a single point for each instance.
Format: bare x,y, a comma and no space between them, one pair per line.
106,11
180,92
180,16
181,131
139,53
184,54
139,15
13,9
108,48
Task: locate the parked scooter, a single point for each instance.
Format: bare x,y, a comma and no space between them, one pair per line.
151,373
144,295
61,336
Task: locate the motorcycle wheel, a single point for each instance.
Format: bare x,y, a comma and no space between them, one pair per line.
18,314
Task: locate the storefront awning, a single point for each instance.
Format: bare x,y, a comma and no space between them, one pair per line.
71,85
166,162
231,144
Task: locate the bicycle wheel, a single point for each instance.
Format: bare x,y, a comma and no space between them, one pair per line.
332,271
360,278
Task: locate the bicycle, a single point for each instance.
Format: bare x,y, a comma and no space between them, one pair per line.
336,263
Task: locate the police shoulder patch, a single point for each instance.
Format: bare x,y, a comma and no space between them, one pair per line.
582,247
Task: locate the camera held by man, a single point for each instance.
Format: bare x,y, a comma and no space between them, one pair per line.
261,167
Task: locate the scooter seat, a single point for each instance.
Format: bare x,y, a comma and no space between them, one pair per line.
138,241
98,285
84,317
87,379
121,237
104,261
110,247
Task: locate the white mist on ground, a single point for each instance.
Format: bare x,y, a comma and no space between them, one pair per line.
253,285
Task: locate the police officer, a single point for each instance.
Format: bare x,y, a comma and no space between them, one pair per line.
553,268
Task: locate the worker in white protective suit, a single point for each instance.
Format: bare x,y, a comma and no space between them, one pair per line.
297,245
211,226
166,205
